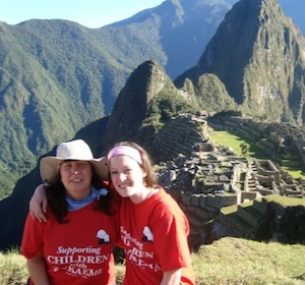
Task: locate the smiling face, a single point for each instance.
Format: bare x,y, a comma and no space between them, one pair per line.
76,177
127,177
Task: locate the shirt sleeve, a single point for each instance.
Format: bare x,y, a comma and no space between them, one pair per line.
32,240
170,237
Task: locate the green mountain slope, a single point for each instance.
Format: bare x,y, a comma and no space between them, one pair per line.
57,76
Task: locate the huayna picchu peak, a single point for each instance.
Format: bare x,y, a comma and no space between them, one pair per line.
259,55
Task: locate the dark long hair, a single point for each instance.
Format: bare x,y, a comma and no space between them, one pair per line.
56,194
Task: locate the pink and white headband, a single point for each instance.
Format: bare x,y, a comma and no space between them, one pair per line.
125,150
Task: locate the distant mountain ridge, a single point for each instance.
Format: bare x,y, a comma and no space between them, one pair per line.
57,76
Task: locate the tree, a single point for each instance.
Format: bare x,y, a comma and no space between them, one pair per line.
244,149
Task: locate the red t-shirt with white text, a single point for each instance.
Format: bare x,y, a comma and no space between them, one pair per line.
78,252
154,236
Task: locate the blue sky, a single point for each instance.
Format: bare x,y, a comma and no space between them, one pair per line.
89,13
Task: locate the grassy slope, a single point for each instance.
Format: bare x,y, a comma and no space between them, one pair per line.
228,261
239,261
12,268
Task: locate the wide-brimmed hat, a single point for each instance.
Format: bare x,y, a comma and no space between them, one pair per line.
73,150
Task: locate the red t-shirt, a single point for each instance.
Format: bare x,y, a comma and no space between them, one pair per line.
78,252
154,235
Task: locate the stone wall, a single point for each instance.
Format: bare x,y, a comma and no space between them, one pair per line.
256,217
180,136
221,193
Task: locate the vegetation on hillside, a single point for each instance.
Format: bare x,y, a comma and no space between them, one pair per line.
161,109
13,269
213,95
237,143
235,261
228,261
57,76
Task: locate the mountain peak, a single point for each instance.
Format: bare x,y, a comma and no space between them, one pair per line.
259,56
144,83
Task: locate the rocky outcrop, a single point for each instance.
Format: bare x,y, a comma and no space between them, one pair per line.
131,107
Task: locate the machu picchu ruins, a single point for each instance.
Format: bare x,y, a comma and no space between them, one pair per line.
221,192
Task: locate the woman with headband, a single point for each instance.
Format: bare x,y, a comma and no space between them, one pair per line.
153,228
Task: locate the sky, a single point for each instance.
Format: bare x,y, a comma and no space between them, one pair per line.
89,13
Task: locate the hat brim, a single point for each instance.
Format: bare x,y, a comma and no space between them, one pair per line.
49,167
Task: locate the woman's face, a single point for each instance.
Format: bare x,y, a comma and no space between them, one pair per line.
127,176
76,177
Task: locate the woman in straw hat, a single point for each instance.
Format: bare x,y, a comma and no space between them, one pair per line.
153,228
75,244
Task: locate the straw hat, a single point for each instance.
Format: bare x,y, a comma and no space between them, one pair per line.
73,150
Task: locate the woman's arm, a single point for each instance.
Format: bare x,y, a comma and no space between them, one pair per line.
38,204
37,270
171,277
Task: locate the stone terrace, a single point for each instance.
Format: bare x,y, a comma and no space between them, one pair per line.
205,178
